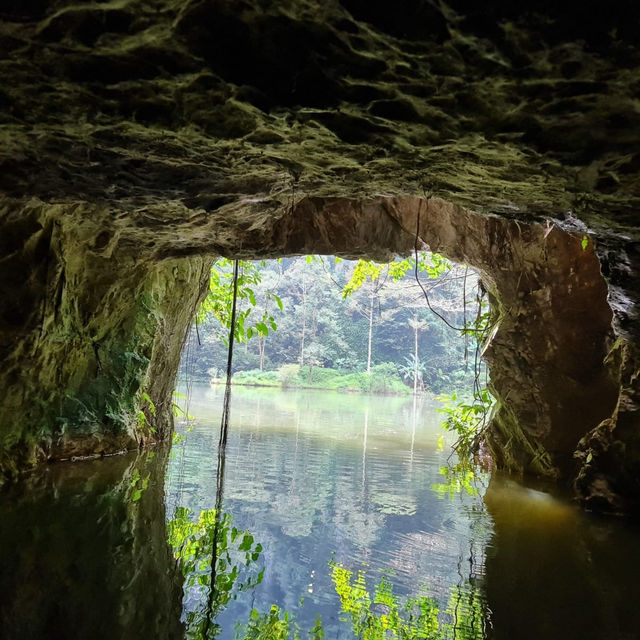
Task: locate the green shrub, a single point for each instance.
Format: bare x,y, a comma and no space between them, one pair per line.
257,377
289,375
385,379
323,377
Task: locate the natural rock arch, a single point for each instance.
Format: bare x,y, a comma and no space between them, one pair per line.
140,138
109,316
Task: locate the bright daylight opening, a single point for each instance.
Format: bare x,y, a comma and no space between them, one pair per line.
358,403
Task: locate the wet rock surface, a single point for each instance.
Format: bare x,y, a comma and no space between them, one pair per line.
138,137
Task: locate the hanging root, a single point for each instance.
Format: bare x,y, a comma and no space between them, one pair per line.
222,445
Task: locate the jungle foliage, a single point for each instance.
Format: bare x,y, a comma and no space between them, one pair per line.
378,614
338,320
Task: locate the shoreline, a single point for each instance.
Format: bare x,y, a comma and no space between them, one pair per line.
220,382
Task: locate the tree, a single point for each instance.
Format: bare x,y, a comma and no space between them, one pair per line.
342,306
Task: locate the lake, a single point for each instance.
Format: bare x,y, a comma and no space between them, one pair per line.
346,514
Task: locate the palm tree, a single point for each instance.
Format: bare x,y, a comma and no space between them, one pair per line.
413,369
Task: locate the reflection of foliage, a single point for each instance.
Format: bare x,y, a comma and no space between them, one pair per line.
461,477
393,504
271,626
139,485
383,616
193,544
467,612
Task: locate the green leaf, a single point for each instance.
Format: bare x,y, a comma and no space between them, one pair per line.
247,542
262,328
585,243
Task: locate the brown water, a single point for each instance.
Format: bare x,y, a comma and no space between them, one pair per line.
316,478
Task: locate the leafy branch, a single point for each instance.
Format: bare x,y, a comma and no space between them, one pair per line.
252,319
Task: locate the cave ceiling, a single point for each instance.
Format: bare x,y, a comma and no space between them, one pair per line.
185,127
168,111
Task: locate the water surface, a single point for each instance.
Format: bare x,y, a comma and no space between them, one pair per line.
326,476
357,479
316,478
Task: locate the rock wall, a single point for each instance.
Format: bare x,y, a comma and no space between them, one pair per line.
87,329
139,138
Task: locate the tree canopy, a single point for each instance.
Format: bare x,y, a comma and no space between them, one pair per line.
345,315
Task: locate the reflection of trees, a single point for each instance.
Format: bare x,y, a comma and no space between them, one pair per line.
383,615
213,574
361,525
320,472
380,614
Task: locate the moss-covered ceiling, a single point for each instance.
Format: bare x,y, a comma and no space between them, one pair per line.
175,105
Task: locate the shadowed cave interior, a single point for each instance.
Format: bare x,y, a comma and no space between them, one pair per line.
140,139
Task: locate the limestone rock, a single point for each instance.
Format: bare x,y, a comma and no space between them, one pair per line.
140,138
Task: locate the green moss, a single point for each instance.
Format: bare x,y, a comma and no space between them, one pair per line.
512,449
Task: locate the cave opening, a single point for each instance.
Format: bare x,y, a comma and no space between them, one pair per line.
129,326
412,326
533,274
142,139
102,340
551,327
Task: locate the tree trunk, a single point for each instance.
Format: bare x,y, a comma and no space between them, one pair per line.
261,347
415,356
304,320
371,302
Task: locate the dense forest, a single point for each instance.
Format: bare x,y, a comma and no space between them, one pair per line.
356,325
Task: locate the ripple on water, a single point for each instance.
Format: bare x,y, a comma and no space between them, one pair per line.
353,487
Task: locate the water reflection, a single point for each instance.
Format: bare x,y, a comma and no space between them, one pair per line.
329,477
554,572
314,479
80,546
318,477
213,573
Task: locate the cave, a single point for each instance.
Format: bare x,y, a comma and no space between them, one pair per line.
141,139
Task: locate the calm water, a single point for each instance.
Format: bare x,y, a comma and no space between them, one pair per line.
321,476
315,478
